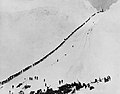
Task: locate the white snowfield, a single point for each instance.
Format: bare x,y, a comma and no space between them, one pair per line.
31,30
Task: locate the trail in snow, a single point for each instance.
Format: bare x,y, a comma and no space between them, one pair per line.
47,55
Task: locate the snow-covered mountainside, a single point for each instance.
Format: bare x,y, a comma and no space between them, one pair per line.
71,39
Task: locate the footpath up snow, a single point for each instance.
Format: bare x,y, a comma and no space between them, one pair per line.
93,51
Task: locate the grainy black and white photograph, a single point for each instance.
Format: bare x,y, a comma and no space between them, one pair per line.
59,46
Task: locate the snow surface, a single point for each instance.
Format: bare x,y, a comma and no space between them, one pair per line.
29,33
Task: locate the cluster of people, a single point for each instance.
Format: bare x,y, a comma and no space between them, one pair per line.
66,88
